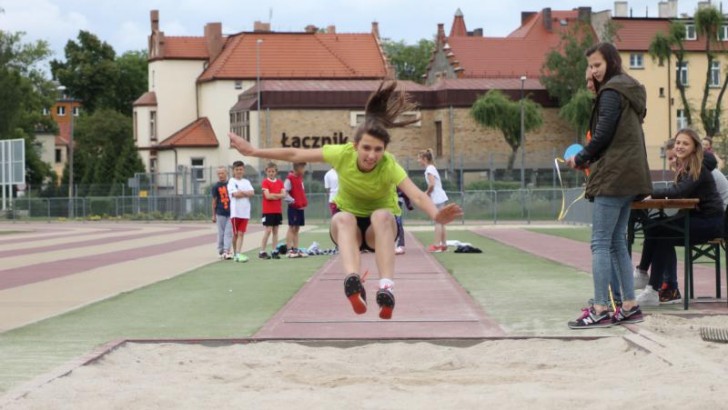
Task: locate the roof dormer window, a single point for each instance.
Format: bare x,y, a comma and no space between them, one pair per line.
690,33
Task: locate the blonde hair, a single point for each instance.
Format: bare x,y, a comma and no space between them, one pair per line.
692,164
427,156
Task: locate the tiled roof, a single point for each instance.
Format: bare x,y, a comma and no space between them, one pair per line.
521,53
198,134
148,99
334,85
193,48
298,55
636,34
531,83
64,133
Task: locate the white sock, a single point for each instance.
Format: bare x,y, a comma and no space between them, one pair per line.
385,283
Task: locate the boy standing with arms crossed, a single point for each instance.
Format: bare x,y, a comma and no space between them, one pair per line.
294,188
240,191
273,193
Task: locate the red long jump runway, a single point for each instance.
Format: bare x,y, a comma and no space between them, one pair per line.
577,254
429,304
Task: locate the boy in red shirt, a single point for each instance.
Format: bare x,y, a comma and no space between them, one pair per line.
297,201
273,194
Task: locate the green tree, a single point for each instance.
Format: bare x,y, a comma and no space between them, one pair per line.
24,92
409,61
104,151
495,110
563,71
90,72
133,81
663,47
578,111
708,22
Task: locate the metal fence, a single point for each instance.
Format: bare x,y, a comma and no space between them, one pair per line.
478,206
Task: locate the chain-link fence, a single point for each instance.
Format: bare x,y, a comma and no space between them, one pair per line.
478,206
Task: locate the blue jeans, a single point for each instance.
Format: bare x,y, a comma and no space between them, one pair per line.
609,247
224,234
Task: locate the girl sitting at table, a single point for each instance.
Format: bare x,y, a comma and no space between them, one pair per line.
692,180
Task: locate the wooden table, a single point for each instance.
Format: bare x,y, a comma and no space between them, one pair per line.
661,205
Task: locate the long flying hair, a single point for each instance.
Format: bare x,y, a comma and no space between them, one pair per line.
692,164
382,111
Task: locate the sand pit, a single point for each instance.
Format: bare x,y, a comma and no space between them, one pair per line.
682,372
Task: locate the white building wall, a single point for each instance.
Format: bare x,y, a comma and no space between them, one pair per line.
174,82
216,100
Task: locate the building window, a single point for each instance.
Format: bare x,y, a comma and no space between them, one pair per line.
197,166
76,111
59,155
153,126
240,123
61,110
682,120
715,73
723,33
153,165
134,125
690,33
636,60
238,85
682,73
662,92
46,112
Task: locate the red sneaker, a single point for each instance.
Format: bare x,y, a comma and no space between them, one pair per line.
355,292
434,249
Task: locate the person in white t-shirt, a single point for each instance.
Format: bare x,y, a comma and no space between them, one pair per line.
331,183
240,191
438,196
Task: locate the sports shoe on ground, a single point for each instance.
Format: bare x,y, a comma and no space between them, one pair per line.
590,319
241,258
443,248
227,256
293,254
302,254
633,315
399,250
263,255
641,278
355,292
275,255
434,249
221,255
648,297
670,296
385,300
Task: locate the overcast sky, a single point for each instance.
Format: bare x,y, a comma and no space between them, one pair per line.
125,24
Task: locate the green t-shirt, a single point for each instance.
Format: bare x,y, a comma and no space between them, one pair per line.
362,193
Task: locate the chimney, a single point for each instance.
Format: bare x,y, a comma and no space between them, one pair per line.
213,39
621,9
440,33
260,27
310,28
154,17
375,29
525,15
478,32
585,14
331,29
547,21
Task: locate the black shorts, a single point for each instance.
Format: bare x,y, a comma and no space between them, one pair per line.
295,217
363,223
272,219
